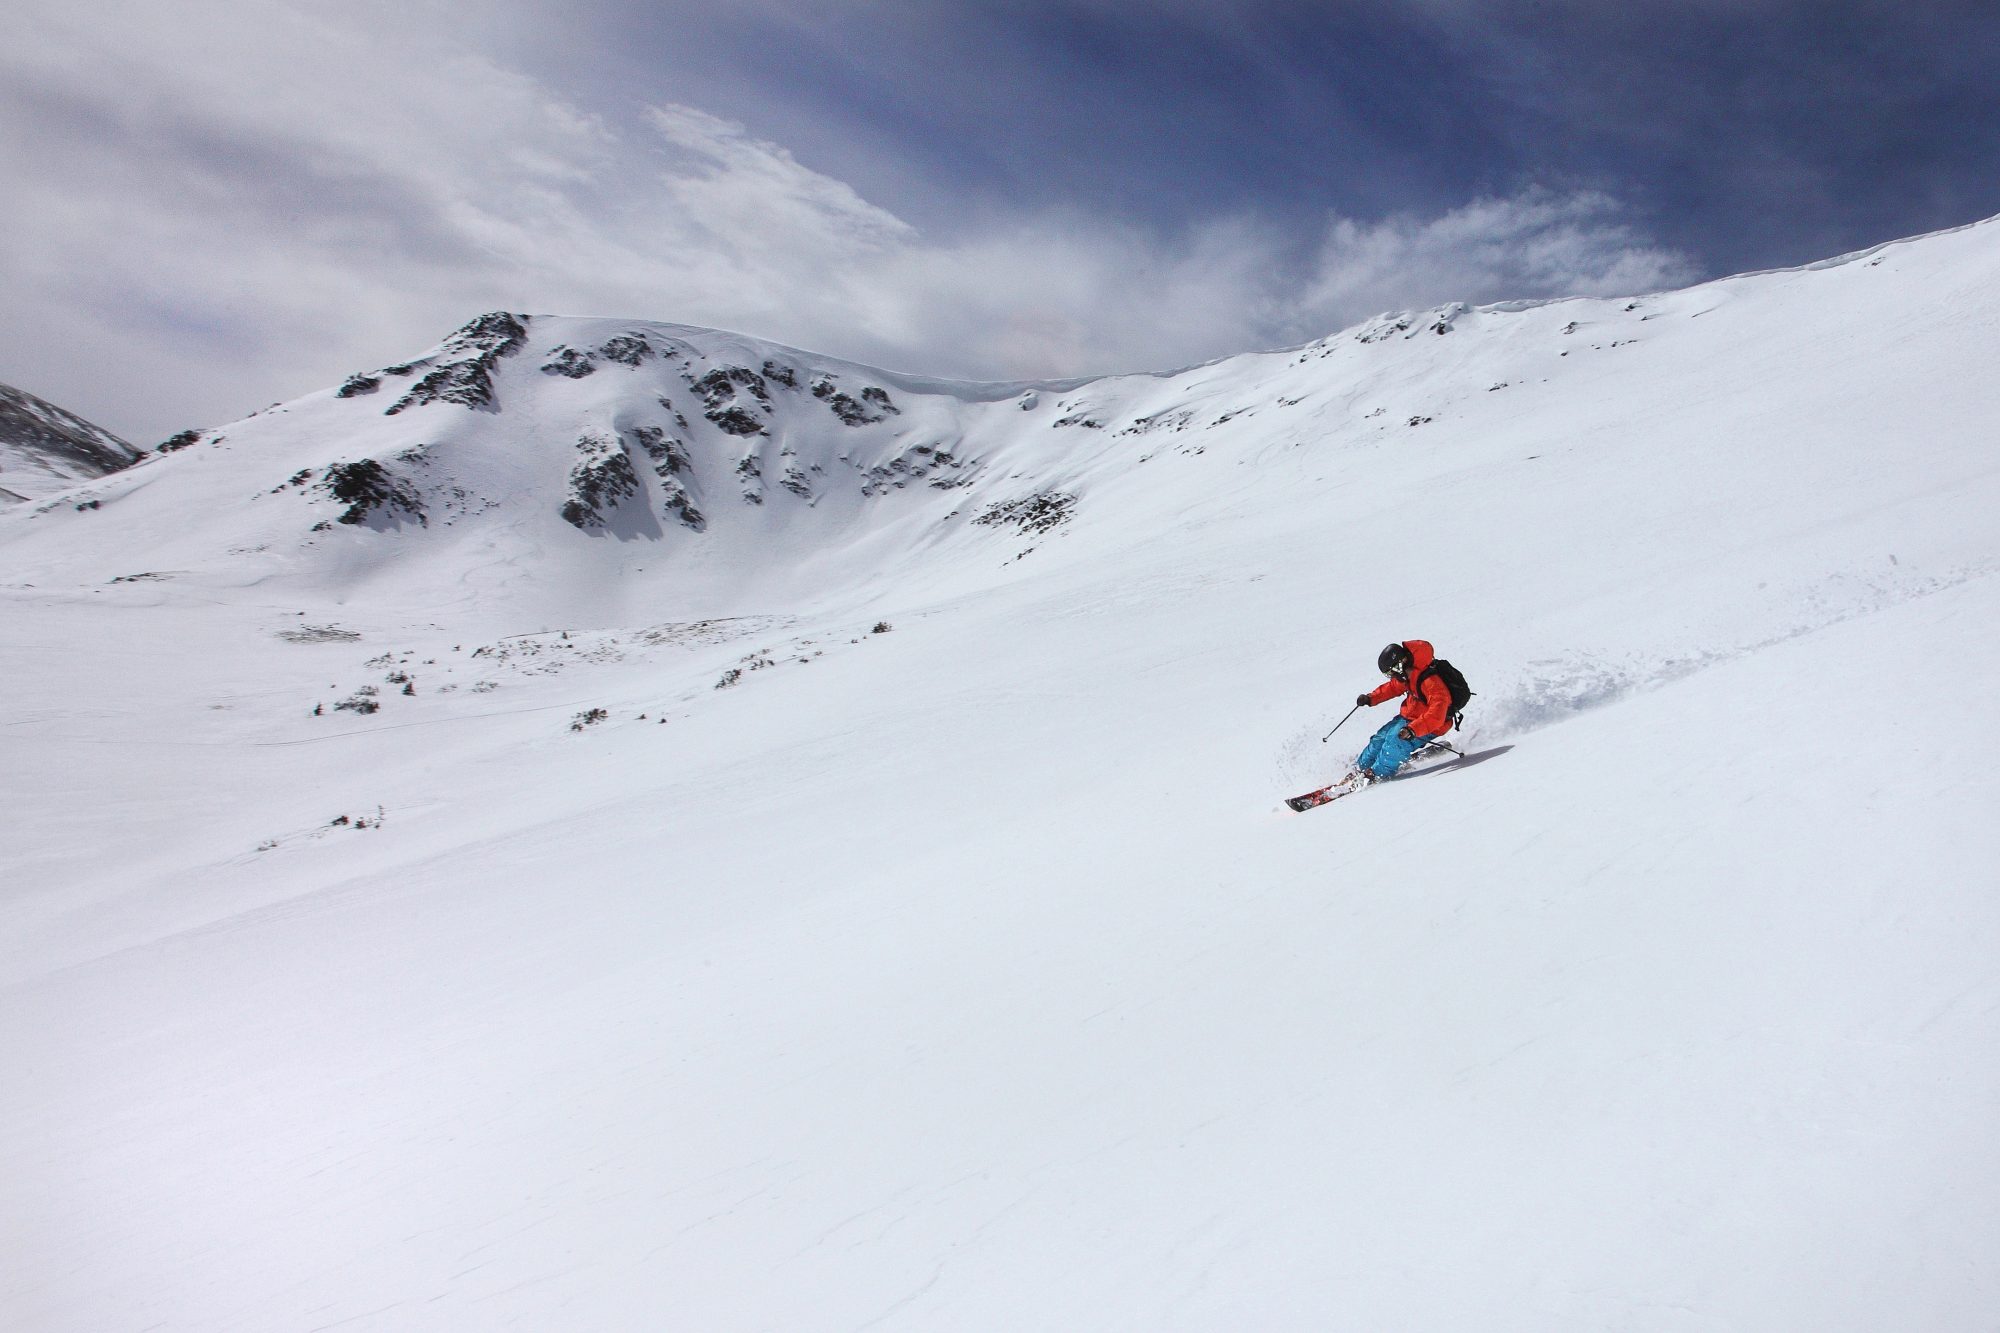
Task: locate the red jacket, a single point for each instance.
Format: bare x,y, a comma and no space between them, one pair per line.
1427,710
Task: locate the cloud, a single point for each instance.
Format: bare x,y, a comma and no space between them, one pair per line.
1535,243
213,206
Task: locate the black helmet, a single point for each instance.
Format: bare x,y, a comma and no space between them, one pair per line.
1394,661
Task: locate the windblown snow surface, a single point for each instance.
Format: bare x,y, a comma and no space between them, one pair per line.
915,939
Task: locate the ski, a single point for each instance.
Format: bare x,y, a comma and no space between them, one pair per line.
1332,791
1347,786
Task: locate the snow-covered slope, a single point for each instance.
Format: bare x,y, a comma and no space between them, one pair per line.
44,449
578,893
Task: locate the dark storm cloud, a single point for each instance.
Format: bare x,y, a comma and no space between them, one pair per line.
1757,133
1746,132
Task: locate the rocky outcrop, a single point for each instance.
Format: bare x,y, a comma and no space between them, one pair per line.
722,393
462,371
940,468
185,440
601,480
570,363
372,494
873,406
674,468
1042,512
627,349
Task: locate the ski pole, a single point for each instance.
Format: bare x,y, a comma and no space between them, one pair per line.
1338,725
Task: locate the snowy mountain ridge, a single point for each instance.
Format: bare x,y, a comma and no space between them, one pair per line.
44,449
634,432
485,849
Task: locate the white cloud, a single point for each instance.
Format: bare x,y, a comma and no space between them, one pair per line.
1535,243
212,206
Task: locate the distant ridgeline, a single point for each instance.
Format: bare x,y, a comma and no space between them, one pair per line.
529,457
44,449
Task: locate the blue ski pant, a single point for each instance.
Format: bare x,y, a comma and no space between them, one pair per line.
1386,750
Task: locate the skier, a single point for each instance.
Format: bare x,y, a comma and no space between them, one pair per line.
1426,713
1434,695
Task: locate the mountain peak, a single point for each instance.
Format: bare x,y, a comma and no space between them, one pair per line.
44,448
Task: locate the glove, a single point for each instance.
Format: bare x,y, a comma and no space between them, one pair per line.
1361,701
1406,734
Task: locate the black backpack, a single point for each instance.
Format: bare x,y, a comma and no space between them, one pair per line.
1461,693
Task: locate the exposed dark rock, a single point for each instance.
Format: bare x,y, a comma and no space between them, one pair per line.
357,385
178,442
669,455
367,489
736,421
778,374
750,469
676,503
719,386
601,479
465,373
1175,419
627,349
671,463
850,410
1041,512
718,390
1384,326
924,462
569,362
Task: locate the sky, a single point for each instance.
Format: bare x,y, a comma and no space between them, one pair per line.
213,205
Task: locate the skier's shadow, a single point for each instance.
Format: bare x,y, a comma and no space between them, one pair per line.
1454,765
